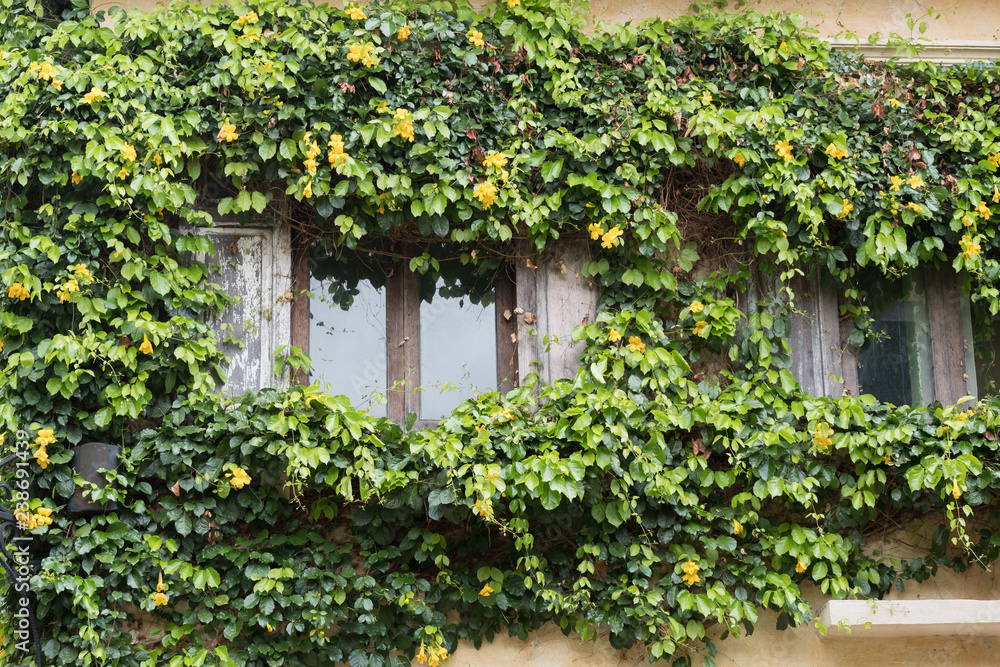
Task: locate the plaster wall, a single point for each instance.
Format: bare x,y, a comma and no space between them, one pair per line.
965,20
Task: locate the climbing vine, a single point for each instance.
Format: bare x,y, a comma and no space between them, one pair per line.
681,479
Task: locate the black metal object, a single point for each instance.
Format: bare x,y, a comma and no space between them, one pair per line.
17,562
88,458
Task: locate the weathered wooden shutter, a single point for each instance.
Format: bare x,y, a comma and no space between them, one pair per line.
555,298
252,264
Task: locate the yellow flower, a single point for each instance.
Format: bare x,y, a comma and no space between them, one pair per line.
160,597
706,97
249,17
310,165
18,291
486,193
897,181
307,191
157,160
227,133
966,221
893,102
75,178
800,567
887,459
836,152
421,655
240,478
636,345
495,159
483,508
737,527
354,12
123,173
404,129
696,307
128,152
996,195
475,38
45,437
914,207
699,327
611,237
42,457
81,270
63,296
336,154
691,570
614,336
383,107
47,73
486,590
784,150
994,158
915,181
267,67
403,33
955,490
72,286
269,628
4,433
984,210
57,84
821,439
739,160
511,4
146,347
595,231
970,248
846,209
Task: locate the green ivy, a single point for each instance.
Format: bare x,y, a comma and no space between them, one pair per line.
649,494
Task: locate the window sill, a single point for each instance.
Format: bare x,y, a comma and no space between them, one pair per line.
910,618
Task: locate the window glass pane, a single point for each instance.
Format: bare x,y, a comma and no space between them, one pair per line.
347,341
458,355
896,366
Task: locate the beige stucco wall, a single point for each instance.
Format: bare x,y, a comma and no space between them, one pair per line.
975,20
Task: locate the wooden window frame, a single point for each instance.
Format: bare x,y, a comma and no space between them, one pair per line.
403,331
821,351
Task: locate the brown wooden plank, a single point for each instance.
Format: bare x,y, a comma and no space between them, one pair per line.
944,307
506,329
300,301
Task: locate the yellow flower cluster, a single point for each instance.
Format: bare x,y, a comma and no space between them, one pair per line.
354,12
42,518
846,210
363,53
249,17
699,327
691,573
970,248
18,291
227,133
784,150
486,590
893,102
160,597
984,210
475,38
483,508
403,33
614,336
696,307
897,181
239,478
383,107
312,152
81,270
94,95
915,181
486,193
821,438
636,345
836,152
611,238
431,655
146,347
404,124
336,154
511,4
71,286
913,206
494,159
739,160
128,152
45,438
